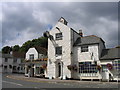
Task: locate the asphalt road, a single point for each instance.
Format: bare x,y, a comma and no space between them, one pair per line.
13,83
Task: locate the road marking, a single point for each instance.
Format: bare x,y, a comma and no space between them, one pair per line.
13,83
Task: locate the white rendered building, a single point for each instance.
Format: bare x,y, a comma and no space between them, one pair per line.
36,62
72,55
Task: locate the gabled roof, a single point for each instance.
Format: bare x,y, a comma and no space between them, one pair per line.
41,50
109,54
86,40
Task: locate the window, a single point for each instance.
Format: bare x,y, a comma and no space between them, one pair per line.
87,69
116,65
6,59
10,66
14,67
41,70
58,50
5,67
15,60
58,36
31,56
84,48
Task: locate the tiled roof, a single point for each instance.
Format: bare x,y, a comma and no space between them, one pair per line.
41,50
92,39
108,54
18,54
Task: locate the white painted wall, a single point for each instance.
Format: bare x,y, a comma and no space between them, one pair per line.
32,51
86,56
66,50
9,62
79,56
101,47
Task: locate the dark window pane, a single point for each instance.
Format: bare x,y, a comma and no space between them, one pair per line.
31,56
6,59
58,50
58,36
84,48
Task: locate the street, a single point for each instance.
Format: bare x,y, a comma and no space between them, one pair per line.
14,83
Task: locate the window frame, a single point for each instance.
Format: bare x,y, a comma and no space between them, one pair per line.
32,56
59,52
15,60
87,70
59,36
6,59
116,65
85,48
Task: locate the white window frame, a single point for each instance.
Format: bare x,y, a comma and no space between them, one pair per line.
84,48
59,36
87,70
31,55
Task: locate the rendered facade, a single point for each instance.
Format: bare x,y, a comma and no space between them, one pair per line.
75,56
36,62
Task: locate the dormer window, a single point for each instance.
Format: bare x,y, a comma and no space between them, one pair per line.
84,48
58,36
31,57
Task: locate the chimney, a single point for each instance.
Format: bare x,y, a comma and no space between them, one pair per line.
80,33
62,20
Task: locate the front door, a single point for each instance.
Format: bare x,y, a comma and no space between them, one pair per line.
59,69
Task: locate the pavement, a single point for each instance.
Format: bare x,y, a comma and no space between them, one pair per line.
20,81
35,79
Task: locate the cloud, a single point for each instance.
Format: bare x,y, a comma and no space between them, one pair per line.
30,20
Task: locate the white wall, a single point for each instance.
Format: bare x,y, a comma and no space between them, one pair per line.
79,56
32,51
86,56
101,47
66,50
9,62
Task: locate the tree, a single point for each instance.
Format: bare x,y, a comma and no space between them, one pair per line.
16,48
26,46
6,49
42,41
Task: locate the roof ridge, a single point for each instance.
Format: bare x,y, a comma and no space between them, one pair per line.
91,36
39,47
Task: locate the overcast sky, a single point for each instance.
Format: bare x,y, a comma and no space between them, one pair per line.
27,21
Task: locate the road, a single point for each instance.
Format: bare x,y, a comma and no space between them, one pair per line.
13,83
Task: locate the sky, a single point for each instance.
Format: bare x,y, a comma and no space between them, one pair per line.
23,21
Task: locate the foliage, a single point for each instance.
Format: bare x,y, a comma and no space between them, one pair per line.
16,48
26,46
6,49
41,41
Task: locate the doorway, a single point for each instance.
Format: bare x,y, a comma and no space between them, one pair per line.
59,69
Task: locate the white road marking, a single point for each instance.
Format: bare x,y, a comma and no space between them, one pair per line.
13,83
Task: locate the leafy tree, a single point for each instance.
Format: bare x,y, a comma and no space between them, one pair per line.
26,46
6,49
41,41
16,48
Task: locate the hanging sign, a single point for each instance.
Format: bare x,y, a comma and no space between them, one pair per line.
109,66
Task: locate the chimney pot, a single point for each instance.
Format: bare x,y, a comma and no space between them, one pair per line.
80,33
